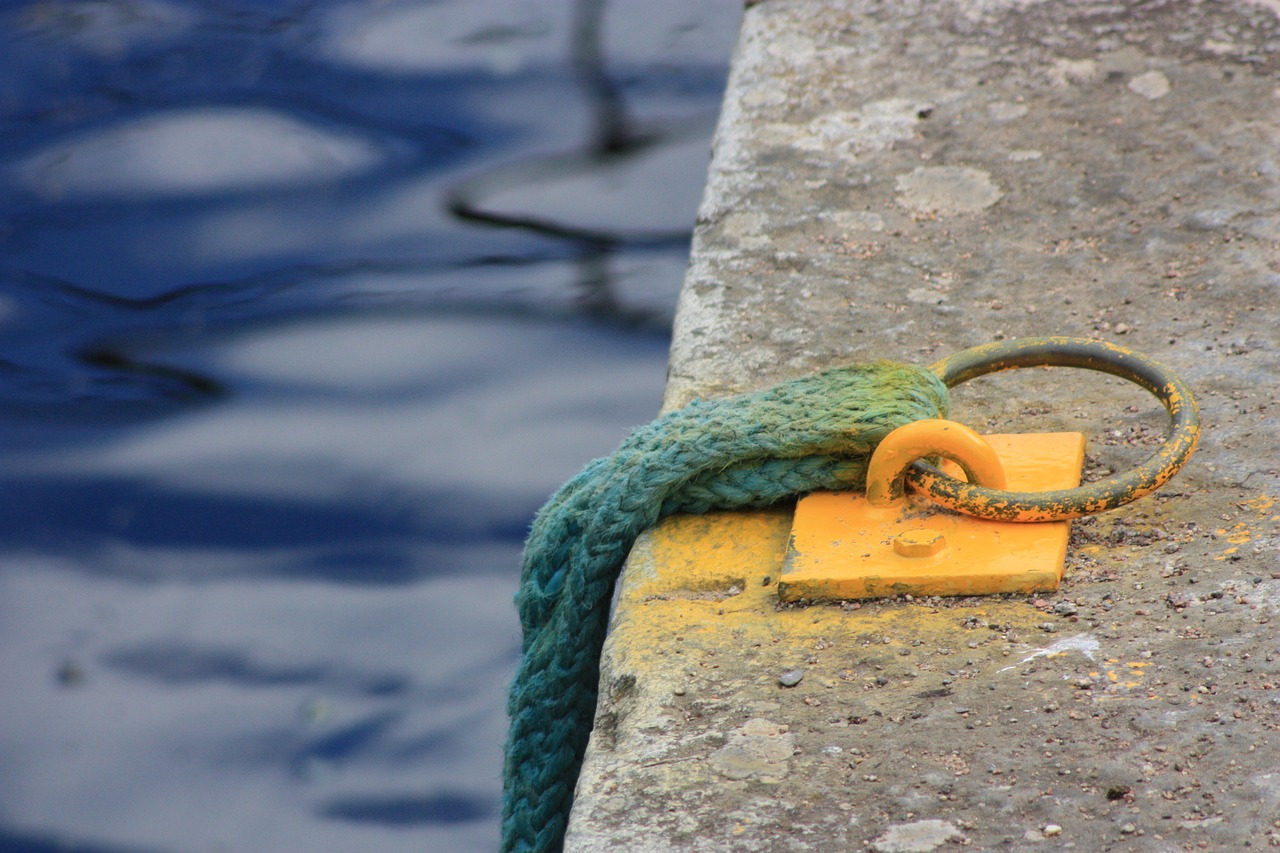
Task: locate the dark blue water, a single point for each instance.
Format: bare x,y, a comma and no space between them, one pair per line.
305,307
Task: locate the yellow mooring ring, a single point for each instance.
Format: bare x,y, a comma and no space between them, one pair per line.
1062,504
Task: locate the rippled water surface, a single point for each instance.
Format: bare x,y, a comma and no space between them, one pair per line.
305,307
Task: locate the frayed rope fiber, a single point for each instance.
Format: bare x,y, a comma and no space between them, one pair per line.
751,450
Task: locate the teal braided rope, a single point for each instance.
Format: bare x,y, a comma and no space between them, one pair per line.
750,450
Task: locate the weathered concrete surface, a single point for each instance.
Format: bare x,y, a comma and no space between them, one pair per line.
906,179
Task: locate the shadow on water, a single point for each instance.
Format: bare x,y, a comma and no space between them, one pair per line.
410,811
305,307
173,664
39,513
12,842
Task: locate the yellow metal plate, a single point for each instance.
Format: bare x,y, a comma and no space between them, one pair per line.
841,547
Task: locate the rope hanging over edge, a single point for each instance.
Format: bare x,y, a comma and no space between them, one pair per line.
749,450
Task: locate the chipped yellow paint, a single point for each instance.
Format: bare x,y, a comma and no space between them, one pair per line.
1261,504
1260,523
1099,496
845,547
1121,684
1240,534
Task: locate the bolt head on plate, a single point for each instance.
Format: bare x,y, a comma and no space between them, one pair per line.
922,542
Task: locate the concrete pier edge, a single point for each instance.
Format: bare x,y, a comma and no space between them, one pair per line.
904,180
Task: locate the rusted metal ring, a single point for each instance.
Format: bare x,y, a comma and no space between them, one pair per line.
894,455
1062,504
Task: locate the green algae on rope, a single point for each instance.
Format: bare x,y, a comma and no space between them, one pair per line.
751,450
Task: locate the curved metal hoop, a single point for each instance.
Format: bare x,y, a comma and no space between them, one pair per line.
1114,491
894,455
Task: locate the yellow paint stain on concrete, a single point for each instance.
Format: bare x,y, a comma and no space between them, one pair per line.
701,589
1262,504
1261,524
1133,680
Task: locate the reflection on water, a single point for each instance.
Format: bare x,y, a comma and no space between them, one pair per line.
304,309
